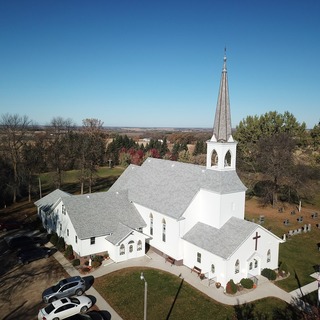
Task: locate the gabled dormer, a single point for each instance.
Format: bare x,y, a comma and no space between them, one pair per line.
221,148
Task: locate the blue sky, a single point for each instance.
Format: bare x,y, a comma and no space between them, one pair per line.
158,63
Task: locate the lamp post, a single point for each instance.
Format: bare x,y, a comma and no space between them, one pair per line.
145,295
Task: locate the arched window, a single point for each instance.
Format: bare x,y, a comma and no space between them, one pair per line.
139,245
250,266
214,158
269,256
227,159
237,266
213,269
122,250
131,246
163,230
151,223
255,263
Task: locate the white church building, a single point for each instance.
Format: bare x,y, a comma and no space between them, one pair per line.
190,213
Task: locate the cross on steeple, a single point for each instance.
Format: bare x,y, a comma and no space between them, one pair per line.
256,238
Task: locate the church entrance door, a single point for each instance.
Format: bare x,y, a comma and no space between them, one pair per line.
131,249
254,267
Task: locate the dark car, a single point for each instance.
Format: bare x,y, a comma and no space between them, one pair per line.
10,225
22,242
65,288
91,315
32,254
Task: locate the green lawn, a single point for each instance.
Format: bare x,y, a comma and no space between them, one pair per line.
301,255
103,180
169,297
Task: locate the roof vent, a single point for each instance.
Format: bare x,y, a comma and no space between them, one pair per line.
203,171
88,197
172,165
117,192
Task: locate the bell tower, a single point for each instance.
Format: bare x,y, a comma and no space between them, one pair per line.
221,148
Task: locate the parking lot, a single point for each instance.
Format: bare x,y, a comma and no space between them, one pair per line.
21,285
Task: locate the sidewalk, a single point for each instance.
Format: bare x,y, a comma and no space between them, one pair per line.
153,260
102,304
264,289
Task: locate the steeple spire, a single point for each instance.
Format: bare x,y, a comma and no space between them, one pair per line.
221,148
222,120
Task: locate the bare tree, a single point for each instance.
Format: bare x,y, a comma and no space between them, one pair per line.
59,147
13,135
91,150
275,158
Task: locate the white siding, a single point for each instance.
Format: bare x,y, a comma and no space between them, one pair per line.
173,244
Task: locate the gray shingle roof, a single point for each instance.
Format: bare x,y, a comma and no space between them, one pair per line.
99,214
120,233
169,186
221,242
46,203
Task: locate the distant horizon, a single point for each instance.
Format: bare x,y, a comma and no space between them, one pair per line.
158,64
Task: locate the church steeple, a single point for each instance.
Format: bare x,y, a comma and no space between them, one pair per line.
222,120
221,148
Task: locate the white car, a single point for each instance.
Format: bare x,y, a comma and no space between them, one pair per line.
65,307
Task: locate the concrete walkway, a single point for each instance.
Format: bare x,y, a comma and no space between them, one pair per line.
264,289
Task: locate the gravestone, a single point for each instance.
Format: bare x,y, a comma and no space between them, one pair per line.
290,232
293,212
286,222
284,237
309,227
300,219
261,219
314,215
299,230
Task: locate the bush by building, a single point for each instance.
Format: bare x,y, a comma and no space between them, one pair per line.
269,274
231,287
54,239
69,252
246,283
61,245
76,262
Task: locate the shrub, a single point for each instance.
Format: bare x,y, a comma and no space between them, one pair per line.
61,246
97,258
231,287
269,274
247,283
76,262
85,269
283,268
54,239
95,264
69,252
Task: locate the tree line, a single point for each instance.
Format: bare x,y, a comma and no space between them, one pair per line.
276,154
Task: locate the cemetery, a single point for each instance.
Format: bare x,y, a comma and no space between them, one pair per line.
300,232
